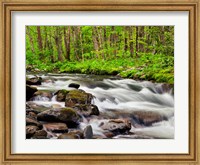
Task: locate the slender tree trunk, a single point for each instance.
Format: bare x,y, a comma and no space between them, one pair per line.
81,41
125,39
58,41
50,45
162,35
39,38
136,40
131,41
101,42
45,39
113,40
95,42
105,40
141,37
31,39
67,43
74,32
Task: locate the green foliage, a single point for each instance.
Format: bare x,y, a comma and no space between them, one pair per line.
157,67
143,53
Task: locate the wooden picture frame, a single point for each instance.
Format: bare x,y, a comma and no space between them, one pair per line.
192,7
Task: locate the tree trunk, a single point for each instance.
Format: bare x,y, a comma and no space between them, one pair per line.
131,41
113,40
81,42
95,42
125,39
162,35
58,40
141,37
74,32
31,39
67,42
136,40
39,38
105,40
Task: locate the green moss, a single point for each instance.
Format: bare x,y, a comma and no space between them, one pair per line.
68,114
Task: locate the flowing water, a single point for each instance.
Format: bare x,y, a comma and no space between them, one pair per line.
117,98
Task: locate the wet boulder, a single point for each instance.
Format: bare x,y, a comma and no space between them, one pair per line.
30,121
31,115
34,81
56,127
33,107
116,126
30,131
61,95
64,115
87,132
74,85
40,134
29,92
147,118
86,110
77,97
42,95
76,134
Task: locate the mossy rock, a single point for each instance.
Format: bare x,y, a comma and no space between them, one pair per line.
87,110
61,94
65,115
77,97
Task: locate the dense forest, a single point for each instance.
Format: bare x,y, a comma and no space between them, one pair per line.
138,52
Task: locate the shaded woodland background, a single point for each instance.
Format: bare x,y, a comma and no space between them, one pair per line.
139,52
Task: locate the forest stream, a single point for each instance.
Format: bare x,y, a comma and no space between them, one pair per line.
119,108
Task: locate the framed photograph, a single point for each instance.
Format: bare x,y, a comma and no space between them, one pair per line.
102,81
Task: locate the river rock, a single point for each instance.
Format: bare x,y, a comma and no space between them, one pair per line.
116,126
40,134
56,127
30,130
74,85
29,92
65,115
30,121
61,95
32,115
33,107
164,88
42,95
147,118
72,135
34,81
77,97
87,110
87,132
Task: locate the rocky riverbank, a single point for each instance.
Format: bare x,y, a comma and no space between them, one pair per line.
73,113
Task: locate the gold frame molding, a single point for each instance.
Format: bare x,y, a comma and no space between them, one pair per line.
192,6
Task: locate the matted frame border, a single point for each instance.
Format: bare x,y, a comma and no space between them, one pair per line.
97,5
